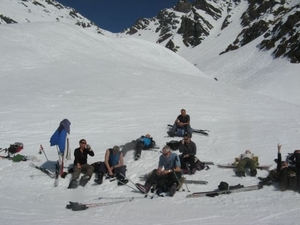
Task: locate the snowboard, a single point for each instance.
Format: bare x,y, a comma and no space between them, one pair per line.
228,191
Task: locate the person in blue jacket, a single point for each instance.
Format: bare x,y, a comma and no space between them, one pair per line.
143,143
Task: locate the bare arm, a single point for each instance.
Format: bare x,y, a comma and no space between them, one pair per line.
109,169
121,161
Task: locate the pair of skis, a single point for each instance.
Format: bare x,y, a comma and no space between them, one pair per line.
232,166
240,188
76,206
197,131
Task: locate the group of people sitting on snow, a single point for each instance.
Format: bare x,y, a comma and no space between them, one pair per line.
167,177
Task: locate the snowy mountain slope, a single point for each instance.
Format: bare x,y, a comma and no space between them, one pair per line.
113,90
230,30
28,11
189,23
218,24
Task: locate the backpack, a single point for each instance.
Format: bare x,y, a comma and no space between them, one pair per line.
223,186
16,147
174,145
200,165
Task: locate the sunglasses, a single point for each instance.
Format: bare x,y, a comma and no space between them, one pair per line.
185,139
82,142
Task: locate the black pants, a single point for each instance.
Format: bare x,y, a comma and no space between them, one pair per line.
188,160
100,167
286,181
139,147
169,178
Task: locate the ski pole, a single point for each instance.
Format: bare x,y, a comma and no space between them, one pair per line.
146,194
184,182
42,150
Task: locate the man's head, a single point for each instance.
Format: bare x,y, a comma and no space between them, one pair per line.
183,112
166,151
247,152
186,138
148,136
116,149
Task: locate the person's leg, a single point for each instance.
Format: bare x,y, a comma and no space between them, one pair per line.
89,170
138,150
149,182
241,168
182,162
252,166
101,170
283,179
75,176
191,160
76,173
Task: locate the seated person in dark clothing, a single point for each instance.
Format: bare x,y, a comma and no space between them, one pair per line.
143,143
81,166
113,165
188,151
167,178
287,174
182,123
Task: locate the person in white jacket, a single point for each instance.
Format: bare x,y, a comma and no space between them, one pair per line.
246,160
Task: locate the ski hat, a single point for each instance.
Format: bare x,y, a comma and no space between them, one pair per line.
116,149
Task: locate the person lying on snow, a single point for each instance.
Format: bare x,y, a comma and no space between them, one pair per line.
246,160
143,143
166,177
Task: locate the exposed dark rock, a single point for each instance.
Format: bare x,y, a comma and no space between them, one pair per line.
183,6
209,9
7,20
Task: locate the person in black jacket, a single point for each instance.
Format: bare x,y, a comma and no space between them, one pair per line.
81,165
287,174
182,123
188,151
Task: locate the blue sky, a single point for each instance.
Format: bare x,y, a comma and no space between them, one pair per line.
116,15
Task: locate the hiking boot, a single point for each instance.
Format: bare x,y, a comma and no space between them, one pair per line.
171,134
143,188
193,171
137,157
122,182
73,184
253,173
173,190
240,173
100,179
83,181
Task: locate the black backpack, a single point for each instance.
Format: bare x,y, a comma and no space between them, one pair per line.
174,145
223,186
